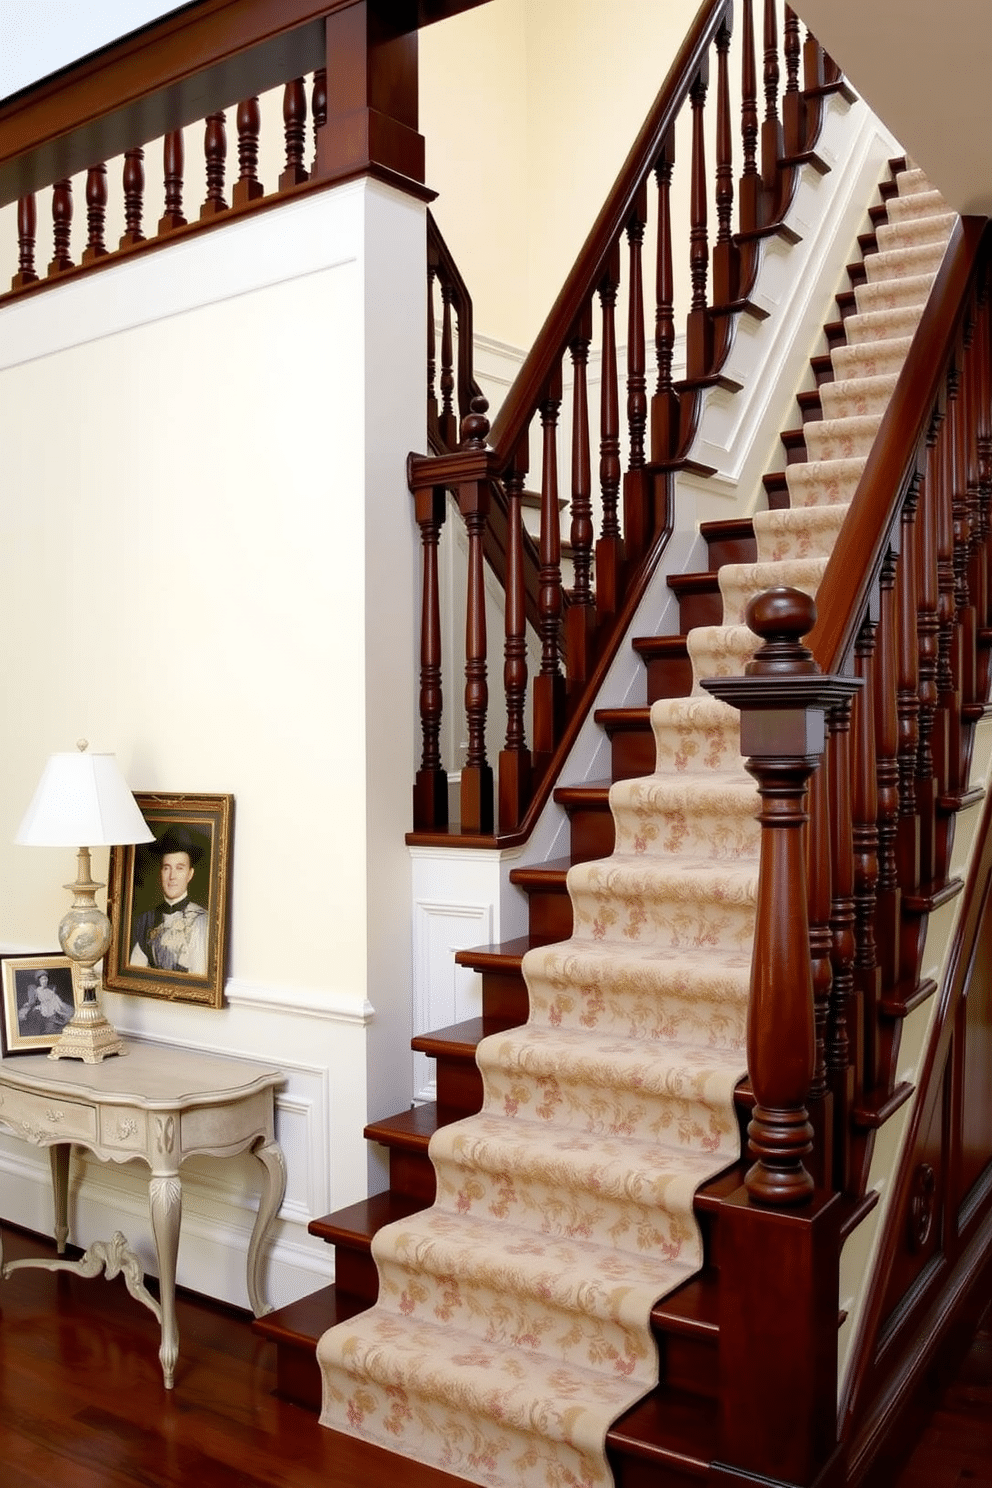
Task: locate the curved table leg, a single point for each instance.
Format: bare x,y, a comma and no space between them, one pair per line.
269,1154
165,1196
58,1156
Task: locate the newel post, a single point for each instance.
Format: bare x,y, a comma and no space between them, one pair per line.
779,1238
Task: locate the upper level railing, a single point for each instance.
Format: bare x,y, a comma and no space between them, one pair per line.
643,426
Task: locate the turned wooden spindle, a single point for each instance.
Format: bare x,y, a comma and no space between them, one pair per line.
294,117
772,145
318,109
928,632
907,692
96,213
698,337
783,698
515,759
864,807
215,152
134,197
477,800
433,424
581,533
843,1035
726,263
750,183
27,227
173,163
248,188
609,408
61,227
887,895
549,691
448,417
430,790
637,394
665,402
793,119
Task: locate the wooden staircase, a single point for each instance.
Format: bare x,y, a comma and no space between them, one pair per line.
668,1438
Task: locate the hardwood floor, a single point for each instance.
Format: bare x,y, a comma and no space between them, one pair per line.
82,1403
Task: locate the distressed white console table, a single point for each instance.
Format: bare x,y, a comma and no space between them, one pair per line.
160,1105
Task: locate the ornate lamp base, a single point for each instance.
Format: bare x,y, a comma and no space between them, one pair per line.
88,1036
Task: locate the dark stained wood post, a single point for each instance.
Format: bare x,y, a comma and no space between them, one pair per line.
215,150
430,789
96,213
549,684
477,801
637,396
842,1037
173,163
928,631
134,197
907,692
27,227
771,128
515,759
665,403
61,227
783,698
698,326
248,187
887,896
726,259
294,118
750,184
864,806
318,108
371,126
580,613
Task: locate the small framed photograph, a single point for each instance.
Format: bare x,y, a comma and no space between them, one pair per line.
168,901
40,995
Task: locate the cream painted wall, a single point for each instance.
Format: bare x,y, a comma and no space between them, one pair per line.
204,491
558,90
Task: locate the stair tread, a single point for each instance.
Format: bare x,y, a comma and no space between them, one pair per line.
411,1129
547,875
459,1040
667,645
669,1426
621,718
589,793
692,1309
504,956
356,1224
300,1323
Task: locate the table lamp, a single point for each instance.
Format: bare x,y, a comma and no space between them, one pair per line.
80,798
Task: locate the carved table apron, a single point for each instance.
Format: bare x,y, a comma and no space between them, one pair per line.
161,1105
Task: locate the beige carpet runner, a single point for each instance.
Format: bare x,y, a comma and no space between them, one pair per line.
513,1321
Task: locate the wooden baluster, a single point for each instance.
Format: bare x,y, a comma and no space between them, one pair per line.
430,790
887,898
750,186
907,694
515,759
134,197
983,476
726,262
318,109
294,114
947,729
665,403
248,188
61,227
580,613
215,150
793,112
977,570
96,213
771,130
608,549
637,395
966,619
449,418
698,339
477,803
27,227
781,756
864,805
549,683
173,163
820,941
433,411
841,1024
928,632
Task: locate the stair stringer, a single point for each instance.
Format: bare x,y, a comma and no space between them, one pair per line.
462,896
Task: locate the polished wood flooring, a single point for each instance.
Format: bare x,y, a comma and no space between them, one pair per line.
82,1403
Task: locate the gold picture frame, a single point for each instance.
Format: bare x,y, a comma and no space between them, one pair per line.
39,996
168,901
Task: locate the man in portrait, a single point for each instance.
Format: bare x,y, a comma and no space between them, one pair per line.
172,936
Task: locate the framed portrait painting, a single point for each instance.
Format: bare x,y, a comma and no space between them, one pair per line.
40,995
168,901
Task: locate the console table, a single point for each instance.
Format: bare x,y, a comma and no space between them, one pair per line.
160,1105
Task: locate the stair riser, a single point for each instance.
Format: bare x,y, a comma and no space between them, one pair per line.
593,834
459,1088
504,995
355,1272
298,1376
550,916
699,606
632,753
411,1173
690,1364
671,677
633,1472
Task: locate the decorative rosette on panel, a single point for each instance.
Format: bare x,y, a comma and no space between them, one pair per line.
513,1321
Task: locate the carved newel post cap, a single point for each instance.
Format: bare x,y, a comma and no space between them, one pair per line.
475,425
781,617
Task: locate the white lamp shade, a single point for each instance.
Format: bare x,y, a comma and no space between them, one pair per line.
82,800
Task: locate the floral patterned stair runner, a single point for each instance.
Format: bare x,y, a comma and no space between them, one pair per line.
513,1321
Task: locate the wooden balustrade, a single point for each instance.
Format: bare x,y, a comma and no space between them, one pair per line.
575,597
